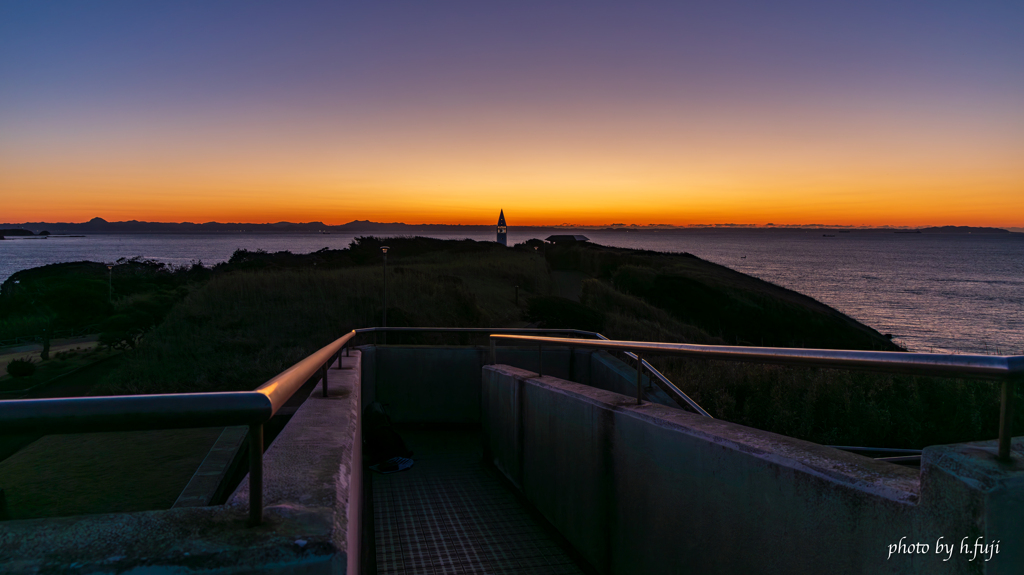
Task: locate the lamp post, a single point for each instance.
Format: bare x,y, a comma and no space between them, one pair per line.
384,320
110,283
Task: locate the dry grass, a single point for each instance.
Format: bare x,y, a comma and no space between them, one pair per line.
241,328
62,475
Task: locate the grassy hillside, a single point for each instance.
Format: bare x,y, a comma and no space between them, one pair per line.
737,308
252,317
245,325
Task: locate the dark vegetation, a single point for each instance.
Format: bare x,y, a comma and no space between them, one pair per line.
22,367
133,295
233,326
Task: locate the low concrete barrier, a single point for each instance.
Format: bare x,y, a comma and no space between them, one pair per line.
652,489
441,384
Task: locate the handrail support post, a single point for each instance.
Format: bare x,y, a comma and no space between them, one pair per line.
494,352
572,363
540,360
255,474
323,377
639,378
1006,419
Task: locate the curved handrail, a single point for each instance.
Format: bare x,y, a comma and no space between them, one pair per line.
133,412
280,388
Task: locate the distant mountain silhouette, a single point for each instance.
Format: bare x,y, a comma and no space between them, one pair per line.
100,225
963,230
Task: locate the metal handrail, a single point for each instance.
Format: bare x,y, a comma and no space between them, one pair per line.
487,330
188,410
179,410
255,408
665,382
1007,369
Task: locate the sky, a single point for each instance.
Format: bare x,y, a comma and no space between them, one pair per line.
851,113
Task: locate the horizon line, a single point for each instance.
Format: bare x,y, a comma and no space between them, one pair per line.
616,225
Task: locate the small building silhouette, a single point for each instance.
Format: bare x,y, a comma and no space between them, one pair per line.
502,229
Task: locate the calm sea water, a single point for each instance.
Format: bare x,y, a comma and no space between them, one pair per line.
955,293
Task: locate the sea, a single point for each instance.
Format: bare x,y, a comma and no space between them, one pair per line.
944,293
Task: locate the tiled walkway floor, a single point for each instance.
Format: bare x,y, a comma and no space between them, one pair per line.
451,514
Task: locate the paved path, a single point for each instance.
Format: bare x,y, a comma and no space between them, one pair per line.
450,513
32,350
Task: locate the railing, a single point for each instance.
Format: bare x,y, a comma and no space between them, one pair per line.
255,408
1007,369
215,409
176,411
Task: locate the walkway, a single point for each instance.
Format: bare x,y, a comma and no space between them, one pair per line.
450,513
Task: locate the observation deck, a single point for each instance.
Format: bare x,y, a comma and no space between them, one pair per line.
534,454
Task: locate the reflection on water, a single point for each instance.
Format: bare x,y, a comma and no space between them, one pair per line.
933,292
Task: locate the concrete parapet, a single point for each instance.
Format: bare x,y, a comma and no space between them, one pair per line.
441,384
652,489
312,497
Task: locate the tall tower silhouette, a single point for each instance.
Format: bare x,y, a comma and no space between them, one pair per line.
502,230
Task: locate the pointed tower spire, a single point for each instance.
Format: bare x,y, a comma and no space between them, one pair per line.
502,229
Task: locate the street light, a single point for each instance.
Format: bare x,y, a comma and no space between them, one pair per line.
110,283
384,322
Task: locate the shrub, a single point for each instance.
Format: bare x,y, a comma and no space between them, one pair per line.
21,367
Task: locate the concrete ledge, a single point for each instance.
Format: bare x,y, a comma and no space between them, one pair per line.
312,482
652,489
222,460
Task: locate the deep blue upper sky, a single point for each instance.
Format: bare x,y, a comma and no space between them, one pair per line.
440,98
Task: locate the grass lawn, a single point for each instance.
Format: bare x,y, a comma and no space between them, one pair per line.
74,474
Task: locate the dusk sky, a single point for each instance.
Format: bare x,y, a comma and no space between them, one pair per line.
858,113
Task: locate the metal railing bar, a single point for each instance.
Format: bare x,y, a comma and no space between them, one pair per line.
877,449
666,382
179,410
901,459
487,330
282,386
1009,369
968,366
134,412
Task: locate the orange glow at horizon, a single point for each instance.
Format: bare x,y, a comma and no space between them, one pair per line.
772,165
535,195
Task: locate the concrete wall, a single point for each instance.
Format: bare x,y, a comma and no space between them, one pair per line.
421,384
438,384
651,489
